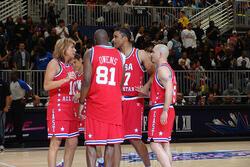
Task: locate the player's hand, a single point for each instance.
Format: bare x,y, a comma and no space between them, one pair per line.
70,76
6,109
76,97
164,117
80,116
142,91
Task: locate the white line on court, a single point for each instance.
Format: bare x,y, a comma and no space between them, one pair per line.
6,165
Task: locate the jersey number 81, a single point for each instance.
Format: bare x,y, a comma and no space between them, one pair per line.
102,74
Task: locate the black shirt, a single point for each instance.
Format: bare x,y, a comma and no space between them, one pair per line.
4,92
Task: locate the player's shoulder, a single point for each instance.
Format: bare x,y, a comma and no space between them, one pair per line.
165,69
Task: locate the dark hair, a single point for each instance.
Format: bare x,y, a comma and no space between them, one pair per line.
61,21
78,56
125,32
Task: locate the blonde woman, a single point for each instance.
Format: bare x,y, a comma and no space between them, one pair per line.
62,120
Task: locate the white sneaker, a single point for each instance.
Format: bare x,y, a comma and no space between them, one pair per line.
99,162
60,164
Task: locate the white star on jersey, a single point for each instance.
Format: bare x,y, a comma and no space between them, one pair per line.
160,133
90,135
62,128
136,130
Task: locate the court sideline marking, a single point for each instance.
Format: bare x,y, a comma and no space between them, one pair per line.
6,165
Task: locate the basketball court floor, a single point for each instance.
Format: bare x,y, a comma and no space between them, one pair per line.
209,154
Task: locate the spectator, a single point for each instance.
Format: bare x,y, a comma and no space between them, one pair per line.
5,101
10,29
247,92
213,62
180,101
233,39
42,58
178,3
175,47
140,33
243,61
212,33
3,53
76,36
183,20
228,93
212,100
21,30
154,29
110,10
51,16
200,100
3,40
247,42
193,93
199,32
61,30
184,61
21,58
188,37
50,41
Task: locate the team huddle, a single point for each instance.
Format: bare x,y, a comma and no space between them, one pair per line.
103,95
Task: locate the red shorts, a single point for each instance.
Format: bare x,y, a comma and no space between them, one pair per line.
62,129
156,131
82,124
99,133
132,109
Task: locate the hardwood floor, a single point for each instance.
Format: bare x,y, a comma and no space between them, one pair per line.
211,154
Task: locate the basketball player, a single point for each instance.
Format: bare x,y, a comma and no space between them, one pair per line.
103,74
78,67
137,62
77,64
62,120
162,113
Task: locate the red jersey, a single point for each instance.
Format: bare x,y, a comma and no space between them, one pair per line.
61,99
77,87
104,96
134,74
157,95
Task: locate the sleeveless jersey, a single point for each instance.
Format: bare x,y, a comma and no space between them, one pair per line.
104,96
157,95
134,74
77,87
61,99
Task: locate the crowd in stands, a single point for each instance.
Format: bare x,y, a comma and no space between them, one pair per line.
28,46
166,3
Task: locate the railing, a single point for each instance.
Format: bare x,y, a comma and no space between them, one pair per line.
39,8
101,15
186,79
242,13
221,13
12,8
133,15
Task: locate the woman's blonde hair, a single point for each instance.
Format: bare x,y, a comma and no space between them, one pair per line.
61,47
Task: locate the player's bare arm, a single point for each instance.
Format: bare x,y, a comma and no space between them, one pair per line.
123,57
165,77
150,68
53,69
87,76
